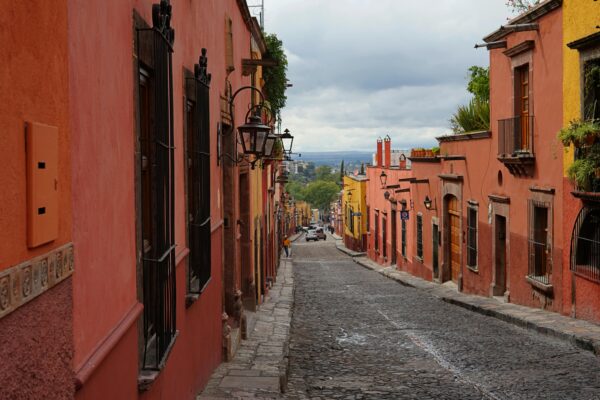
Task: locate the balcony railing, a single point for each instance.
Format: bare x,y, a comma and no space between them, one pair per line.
515,137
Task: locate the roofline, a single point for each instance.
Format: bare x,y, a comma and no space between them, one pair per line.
243,6
535,13
257,33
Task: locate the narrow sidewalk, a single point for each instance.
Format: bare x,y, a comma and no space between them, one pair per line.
260,366
582,334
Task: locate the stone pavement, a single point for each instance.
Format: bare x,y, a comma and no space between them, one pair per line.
260,366
583,334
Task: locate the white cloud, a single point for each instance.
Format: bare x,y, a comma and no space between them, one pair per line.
364,69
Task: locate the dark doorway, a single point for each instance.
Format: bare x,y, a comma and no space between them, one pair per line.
454,241
436,239
500,256
394,234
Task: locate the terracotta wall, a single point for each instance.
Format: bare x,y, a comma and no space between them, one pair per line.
102,115
36,349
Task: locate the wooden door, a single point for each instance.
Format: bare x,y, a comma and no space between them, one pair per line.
454,242
523,93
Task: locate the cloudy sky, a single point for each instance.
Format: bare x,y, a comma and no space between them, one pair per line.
363,69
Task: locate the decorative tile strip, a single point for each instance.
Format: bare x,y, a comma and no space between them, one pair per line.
24,282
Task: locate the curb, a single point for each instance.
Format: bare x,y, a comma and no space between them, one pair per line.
347,251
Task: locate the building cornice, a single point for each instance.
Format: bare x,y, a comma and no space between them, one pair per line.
530,16
464,136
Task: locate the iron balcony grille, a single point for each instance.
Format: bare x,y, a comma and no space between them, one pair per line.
472,238
585,244
540,256
515,136
158,262
420,236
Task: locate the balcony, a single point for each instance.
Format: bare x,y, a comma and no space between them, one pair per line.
515,144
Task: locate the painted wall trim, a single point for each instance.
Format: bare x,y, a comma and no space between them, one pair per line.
103,349
26,281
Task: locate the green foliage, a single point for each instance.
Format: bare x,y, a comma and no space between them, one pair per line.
579,132
321,193
323,173
520,6
475,116
435,150
296,189
581,172
276,76
342,172
479,83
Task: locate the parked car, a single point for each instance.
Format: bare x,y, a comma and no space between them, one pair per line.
312,235
321,234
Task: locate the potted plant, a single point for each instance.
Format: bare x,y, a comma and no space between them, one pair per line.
579,133
585,170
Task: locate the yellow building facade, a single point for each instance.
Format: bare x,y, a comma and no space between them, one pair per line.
580,21
354,211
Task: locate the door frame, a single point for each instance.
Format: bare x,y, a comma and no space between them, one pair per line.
500,206
451,186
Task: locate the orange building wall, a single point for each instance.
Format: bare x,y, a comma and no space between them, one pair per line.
34,89
36,349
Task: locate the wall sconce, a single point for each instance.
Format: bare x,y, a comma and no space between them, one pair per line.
383,179
253,135
429,204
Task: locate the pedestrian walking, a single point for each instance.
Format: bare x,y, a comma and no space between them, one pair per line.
286,246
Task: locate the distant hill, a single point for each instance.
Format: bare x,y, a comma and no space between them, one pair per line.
334,158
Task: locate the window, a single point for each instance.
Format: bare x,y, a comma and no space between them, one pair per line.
351,218
156,185
384,235
591,90
472,237
229,45
420,236
198,176
403,233
539,257
585,244
376,231
522,106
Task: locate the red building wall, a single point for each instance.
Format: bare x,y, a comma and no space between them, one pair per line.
102,115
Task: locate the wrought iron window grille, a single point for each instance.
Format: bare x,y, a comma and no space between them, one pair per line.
157,186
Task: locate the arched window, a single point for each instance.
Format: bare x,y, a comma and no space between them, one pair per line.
585,244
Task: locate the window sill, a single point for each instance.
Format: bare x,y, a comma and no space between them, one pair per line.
191,298
419,259
546,288
147,377
473,269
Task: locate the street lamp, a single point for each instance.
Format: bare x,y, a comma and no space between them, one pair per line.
270,145
253,135
383,179
287,140
428,203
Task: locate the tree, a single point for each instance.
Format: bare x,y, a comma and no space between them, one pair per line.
342,172
275,76
520,6
362,168
320,194
323,173
475,115
479,82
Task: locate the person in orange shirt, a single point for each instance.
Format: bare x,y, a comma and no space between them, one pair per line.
286,246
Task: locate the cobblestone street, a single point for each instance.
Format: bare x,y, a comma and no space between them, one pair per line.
358,335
